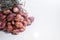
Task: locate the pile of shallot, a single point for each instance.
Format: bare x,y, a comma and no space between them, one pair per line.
14,20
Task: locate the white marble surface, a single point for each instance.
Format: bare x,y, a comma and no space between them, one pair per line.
46,25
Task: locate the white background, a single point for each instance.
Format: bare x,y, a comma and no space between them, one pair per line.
46,25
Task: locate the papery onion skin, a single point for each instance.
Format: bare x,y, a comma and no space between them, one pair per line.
14,20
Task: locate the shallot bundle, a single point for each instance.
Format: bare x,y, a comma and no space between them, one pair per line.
13,19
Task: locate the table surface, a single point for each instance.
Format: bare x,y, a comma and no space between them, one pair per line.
46,25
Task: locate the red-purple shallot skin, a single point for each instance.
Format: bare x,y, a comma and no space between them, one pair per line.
29,22
10,17
14,19
12,22
31,19
19,18
15,31
15,9
2,25
25,15
22,29
24,23
9,27
18,24
2,16
6,11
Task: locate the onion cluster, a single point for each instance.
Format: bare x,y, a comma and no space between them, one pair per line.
14,20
